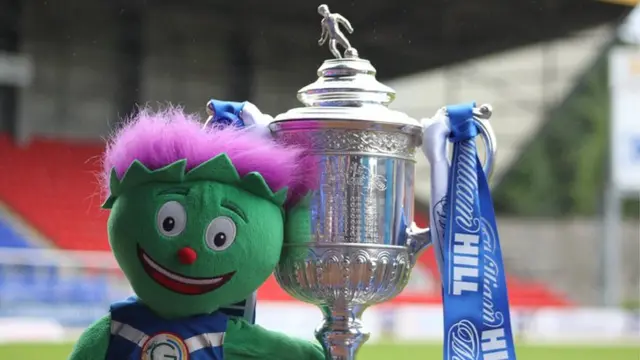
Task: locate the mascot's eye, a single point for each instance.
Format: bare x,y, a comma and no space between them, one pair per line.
172,219
221,233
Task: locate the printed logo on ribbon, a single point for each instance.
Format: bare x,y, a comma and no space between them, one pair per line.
476,308
165,346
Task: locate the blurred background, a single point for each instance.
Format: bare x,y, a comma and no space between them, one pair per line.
563,77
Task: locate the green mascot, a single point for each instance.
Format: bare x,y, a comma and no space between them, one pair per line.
197,223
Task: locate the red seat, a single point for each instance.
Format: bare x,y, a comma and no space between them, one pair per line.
54,186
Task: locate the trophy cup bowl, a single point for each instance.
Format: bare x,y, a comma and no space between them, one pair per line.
353,243
349,248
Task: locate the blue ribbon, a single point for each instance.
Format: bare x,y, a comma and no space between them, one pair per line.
226,113
477,322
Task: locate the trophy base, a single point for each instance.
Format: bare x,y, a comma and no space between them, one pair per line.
343,279
342,332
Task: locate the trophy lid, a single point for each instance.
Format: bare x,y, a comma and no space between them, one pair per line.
347,88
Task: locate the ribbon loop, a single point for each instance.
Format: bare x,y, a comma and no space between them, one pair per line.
476,309
461,122
225,113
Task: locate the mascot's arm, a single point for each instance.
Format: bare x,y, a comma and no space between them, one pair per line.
246,341
94,341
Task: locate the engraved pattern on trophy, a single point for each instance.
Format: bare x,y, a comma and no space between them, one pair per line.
348,276
359,141
362,200
351,196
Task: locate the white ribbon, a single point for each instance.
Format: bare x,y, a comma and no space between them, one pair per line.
436,130
254,119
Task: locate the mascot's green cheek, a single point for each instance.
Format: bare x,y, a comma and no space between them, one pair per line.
205,244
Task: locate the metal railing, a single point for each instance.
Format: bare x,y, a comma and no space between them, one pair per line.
72,287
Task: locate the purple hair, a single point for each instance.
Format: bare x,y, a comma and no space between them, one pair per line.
158,139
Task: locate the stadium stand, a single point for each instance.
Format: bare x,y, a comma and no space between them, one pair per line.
54,187
25,290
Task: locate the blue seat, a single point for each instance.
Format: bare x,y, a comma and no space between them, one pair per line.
77,289
9,238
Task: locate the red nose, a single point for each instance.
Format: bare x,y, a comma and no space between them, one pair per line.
187,255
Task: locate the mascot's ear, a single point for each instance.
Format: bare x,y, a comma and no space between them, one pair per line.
298,222
297,229
108,204
114,182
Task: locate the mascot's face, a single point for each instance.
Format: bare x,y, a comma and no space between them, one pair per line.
193,247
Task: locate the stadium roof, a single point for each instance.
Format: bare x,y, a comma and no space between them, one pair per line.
622,2
403,37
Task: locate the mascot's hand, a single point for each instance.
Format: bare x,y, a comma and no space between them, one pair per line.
94,341
317,353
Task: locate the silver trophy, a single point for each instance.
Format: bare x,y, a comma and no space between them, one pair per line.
354,242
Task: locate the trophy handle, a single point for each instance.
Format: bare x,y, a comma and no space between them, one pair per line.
436,149
481,117
418,239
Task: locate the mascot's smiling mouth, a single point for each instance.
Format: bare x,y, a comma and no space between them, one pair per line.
180,283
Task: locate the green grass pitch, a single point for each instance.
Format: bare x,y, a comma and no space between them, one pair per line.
377,352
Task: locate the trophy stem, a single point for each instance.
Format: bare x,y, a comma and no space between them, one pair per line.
342,332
